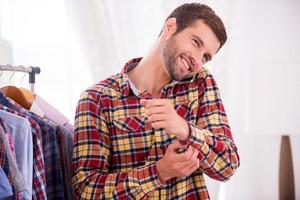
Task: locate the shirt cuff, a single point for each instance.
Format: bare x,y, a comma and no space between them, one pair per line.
198,140
148,178
186,142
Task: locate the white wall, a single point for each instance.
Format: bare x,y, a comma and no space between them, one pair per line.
38,33
264,49
256,70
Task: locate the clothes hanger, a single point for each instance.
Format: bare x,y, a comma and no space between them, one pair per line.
27,93
21,96
17,95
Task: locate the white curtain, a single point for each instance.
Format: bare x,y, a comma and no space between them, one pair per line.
38,33
256,70
77,43
5,34
111,32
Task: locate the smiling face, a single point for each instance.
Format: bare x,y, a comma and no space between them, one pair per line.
184,53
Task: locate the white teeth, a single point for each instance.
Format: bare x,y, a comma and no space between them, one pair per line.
185,64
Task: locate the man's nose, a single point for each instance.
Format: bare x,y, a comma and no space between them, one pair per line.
197,62
198,57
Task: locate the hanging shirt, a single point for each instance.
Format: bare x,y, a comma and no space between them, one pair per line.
67,145
44,109
116,150
39,180
53,166
5,188
3,159
18,180
20,130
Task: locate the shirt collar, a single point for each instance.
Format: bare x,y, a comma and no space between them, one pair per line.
126,86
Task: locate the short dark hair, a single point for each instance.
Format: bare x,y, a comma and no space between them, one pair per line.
188,13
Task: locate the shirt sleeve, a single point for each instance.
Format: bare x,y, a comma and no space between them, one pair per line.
212,135
91,159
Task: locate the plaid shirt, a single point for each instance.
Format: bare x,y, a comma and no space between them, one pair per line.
46,159
65,166
53,166
4,164
39,179
115,148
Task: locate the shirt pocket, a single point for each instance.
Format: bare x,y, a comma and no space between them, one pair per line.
183,110
130,142
130,124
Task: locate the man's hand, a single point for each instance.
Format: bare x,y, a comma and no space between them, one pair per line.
177,165
161,114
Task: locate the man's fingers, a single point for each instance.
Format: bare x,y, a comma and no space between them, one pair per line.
184,157
182,164
155,110
195,154
148,103
191,165
189,156
194,167
159,124
194,157
174,146
157,118
187,168
144,102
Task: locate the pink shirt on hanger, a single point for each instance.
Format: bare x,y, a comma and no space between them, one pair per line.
42,108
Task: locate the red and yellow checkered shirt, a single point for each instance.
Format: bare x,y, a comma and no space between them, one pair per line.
115,148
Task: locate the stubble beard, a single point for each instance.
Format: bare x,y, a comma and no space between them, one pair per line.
169,57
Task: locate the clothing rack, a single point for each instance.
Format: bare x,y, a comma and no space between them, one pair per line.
32,71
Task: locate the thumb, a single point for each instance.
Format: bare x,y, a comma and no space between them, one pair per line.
144,102
175,146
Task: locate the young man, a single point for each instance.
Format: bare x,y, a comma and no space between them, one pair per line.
151,131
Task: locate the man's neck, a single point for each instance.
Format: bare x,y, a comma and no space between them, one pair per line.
150,74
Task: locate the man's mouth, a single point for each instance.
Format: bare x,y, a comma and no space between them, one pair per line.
186,62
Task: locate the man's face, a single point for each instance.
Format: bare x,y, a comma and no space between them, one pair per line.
186,52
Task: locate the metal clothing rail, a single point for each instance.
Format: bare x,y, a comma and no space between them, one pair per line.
32,71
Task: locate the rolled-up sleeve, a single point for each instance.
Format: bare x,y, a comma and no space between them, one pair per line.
212,136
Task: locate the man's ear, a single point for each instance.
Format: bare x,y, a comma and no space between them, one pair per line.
169,28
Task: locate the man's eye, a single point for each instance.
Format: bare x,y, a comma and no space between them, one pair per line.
206,58
196,42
